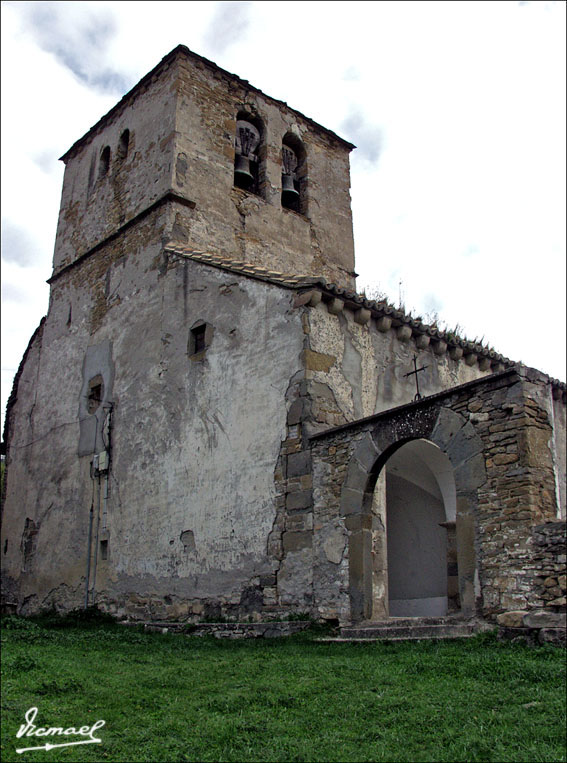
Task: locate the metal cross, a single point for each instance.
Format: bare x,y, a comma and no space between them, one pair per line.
415,371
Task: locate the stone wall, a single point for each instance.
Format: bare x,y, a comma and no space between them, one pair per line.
559,415
96,204
248,630
233,630
353,366
359,368
520,489
208,384
254,227
545,621
231,428
549,557
497,439
190,518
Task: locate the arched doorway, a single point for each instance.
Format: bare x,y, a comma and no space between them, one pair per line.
449,446
420,513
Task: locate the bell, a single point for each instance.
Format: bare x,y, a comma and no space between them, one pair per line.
242,170
288,188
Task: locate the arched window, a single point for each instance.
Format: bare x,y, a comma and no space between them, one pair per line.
248,164
294,174
104,163
122,151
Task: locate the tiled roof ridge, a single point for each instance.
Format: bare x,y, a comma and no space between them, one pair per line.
288,280
351,298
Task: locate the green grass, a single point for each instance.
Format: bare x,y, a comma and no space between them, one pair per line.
176,698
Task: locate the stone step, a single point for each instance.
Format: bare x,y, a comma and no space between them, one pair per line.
339,640
390,622
409,632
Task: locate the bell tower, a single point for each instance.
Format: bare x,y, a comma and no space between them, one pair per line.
220,166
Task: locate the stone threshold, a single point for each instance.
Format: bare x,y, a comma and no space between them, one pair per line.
394,620
412,629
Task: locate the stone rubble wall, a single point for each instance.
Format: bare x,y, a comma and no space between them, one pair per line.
248,630
519,491
559,415
497,437
355,368
549,558
545,621
352,367
217,504
268,629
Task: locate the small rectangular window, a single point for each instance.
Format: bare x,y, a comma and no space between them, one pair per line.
95,397
104,549
199,340
95,394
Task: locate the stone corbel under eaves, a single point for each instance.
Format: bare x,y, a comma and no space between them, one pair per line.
425,338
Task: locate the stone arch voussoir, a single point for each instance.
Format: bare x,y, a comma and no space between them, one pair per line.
450,431
458,438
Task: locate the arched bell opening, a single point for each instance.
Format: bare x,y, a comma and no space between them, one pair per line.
294,174
249,153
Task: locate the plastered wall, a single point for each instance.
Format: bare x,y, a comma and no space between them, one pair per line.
195,440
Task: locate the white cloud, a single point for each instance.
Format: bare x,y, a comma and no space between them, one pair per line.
228,26
78,36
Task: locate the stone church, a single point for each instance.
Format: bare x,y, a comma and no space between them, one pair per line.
211,422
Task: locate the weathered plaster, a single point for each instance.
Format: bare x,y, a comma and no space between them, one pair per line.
368,374
190,449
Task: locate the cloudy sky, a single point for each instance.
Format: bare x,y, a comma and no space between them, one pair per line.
457,110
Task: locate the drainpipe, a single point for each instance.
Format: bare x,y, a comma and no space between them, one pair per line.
105,503
89,554
100,463
96,542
